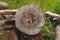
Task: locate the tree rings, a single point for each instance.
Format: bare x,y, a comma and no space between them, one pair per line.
29,19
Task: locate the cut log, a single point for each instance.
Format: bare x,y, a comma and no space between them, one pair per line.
7,12
38,37
3,5
9,35
53,15
57,32
8,16
29,19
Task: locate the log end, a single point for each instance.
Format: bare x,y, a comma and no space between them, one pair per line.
3,5
29,19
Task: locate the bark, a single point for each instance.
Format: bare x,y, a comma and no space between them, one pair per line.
7,17
53,15
7,12
1,18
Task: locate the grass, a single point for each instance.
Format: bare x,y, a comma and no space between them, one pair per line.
46,5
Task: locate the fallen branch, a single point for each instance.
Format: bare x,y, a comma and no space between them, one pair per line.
12,12
55,16
1,18
6,12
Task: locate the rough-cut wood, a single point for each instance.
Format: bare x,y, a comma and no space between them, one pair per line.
29,19
7,21
5,12
54,15
3,5
1,18
8,16
9,35
57,30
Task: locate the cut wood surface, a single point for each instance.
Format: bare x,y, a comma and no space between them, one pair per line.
3,5
29,19
57,32
9,35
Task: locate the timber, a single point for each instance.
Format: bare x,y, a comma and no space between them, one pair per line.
9,15
7,12
30,16
9,35
57,32
53,15
3,5
29,19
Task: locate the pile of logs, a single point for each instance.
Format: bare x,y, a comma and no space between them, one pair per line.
17,31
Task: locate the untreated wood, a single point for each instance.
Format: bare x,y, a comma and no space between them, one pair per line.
3,5
13,11
57,32
9,35
53,15
29,19
7,12
8,16
1,18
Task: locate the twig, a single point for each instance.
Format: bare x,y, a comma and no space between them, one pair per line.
54,15
12,12
6,12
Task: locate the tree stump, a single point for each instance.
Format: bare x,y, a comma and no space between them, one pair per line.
29,19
